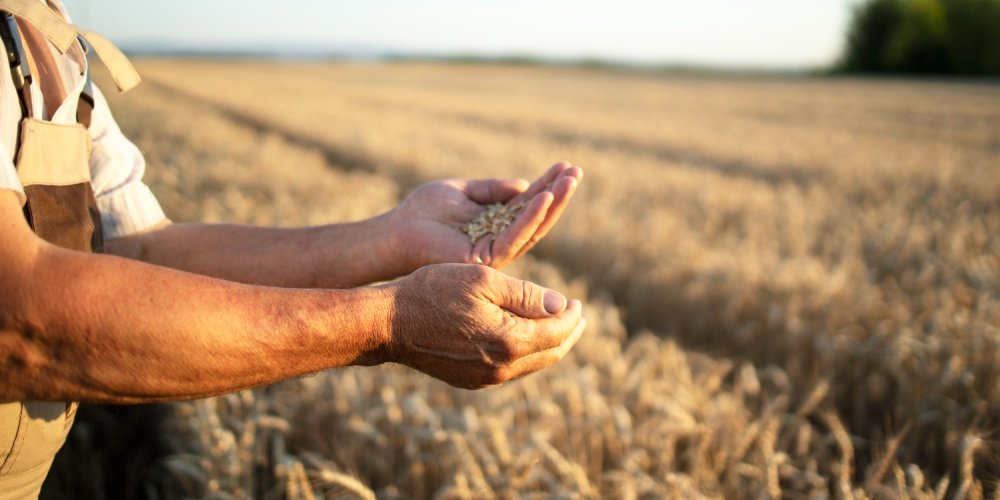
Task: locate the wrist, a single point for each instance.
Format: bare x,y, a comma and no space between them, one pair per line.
376,308
387,251
398,246
354,254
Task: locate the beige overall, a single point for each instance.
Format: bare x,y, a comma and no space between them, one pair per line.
52,162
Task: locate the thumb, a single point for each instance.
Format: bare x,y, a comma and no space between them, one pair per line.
526,299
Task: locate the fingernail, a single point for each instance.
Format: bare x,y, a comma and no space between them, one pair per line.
554,302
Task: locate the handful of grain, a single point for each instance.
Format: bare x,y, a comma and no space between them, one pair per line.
492,221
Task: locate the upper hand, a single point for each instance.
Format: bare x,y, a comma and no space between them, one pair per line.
429,221
471,326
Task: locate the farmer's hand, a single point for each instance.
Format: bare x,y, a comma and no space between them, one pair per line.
429,221
471,326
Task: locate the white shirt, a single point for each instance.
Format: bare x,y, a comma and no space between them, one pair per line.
116,165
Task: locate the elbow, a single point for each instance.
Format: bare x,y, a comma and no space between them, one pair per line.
26,353
24,360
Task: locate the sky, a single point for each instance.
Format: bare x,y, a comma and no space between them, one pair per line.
726,33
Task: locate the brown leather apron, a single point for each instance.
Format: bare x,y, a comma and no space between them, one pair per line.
52,162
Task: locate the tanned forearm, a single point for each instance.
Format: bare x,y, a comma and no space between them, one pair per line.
81,327
332,256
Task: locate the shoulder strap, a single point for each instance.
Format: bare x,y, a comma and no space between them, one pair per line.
58,31
62,34
20,70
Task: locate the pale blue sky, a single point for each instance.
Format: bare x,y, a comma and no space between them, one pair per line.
746,33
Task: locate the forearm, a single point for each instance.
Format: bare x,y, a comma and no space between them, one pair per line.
98,328
332,256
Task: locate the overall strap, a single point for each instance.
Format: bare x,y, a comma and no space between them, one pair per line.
20,70
44,68
62,34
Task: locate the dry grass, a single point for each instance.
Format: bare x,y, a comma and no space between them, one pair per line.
793,282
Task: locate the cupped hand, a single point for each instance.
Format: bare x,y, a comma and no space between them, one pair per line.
471,326
429,221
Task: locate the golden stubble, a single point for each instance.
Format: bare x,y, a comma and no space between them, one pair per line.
832,244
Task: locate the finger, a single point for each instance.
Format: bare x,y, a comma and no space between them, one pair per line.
573,171
480,253
562,192
510,240
491,374
544,359
485,191
524,298
542,183
548,333
538,343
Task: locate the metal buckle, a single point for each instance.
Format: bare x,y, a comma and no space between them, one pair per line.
19,69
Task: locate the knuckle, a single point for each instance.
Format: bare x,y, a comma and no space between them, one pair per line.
477,275
529,296
429,274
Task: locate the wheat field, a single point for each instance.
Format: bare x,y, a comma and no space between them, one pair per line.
792,284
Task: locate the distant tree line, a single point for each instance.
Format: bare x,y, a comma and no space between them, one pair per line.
956,37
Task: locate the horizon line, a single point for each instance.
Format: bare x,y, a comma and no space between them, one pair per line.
371,53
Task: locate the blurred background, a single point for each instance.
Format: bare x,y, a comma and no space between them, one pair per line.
911,36
788,242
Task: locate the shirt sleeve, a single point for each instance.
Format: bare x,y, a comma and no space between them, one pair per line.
116,168
8,175
10,115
